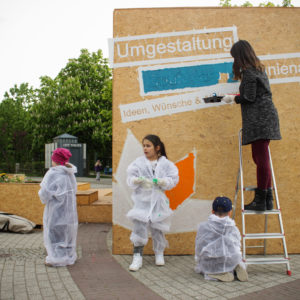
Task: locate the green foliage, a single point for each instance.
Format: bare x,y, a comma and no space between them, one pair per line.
225,3
15,135
5,179
267,4
79,102
247,4
287,3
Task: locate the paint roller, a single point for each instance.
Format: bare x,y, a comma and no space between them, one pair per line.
214,98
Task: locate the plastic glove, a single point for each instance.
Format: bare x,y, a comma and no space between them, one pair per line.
228,99
147,183
160,182
138,180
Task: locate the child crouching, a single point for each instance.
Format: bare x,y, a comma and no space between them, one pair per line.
218,245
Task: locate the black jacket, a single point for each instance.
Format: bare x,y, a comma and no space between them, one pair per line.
259,115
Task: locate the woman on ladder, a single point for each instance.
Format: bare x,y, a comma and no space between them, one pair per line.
259,118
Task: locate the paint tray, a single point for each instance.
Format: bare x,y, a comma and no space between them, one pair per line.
213,99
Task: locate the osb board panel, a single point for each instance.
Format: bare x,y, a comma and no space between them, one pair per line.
22,200
83,186
179,243
95,213
104,192
213,132
86,197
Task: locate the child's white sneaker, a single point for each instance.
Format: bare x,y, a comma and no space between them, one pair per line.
159,260
137,262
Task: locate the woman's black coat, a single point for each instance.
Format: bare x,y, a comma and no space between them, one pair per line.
259,115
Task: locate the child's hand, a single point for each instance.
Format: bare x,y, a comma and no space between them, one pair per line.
144,182
160,182
228,99
147,183
138,180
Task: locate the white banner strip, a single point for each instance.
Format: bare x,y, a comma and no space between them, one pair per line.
174,104
111,43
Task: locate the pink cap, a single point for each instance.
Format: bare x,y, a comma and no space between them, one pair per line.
61,156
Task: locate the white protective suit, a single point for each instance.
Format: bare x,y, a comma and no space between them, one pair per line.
217,246
58,192
151,205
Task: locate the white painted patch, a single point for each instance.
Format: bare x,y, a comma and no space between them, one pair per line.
279,56
189,214
175,104
122,202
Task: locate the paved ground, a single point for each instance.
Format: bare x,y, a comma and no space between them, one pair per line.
99,275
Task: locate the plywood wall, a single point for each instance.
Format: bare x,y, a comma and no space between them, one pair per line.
165,61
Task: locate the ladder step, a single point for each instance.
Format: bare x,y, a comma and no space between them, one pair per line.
249,188
267,260
266,212
263,236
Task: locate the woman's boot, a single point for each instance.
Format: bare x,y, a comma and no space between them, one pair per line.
259,201
269,199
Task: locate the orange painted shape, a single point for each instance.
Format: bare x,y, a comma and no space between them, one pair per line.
185,186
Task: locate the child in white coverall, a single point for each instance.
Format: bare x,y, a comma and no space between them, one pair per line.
60,221
218,245
149,176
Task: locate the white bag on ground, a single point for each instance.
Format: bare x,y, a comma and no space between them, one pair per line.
13,223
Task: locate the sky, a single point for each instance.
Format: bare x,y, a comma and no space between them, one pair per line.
37,37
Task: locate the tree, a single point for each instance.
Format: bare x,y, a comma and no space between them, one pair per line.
78,101
247,4
15,137
225,3
287,3
267,4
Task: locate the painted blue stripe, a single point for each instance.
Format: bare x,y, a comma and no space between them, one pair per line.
185,77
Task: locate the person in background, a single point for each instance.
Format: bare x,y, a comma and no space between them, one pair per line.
98,168
259,118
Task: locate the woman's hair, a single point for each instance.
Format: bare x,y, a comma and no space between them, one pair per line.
244,57
155,140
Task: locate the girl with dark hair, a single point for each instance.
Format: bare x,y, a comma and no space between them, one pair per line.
259,118
149,176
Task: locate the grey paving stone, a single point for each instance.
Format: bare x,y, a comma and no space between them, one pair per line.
77,296
62,294
21,297
47,292
6,294
33,289
37,296
44,284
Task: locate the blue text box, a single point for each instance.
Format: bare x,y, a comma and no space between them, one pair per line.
185,77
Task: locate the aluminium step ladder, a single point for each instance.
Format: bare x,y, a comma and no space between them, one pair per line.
265,235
